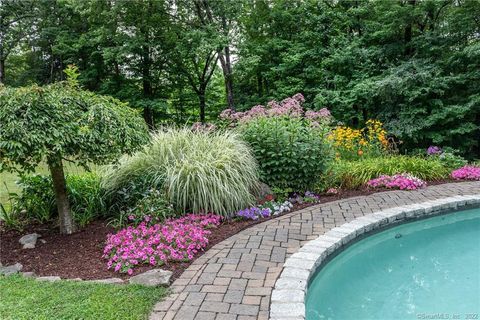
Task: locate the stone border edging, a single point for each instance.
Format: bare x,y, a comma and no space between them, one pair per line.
288,295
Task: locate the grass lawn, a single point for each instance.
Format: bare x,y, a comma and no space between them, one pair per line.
23,298
7,179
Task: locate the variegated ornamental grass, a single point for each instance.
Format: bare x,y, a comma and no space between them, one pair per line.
199,171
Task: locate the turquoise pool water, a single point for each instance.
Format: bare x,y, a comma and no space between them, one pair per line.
428,269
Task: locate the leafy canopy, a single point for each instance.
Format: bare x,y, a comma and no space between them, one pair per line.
61,121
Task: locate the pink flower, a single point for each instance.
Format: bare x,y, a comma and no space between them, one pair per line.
402,181
291,107
466,173
174,240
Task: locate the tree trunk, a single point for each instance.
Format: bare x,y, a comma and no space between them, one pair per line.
229,79
259,84
67,225
225,62
146,78
408,34
201,98
2,71
147,89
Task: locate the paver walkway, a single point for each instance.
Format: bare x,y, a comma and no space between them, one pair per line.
235,278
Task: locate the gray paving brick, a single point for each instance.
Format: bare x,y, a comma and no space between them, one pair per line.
235,278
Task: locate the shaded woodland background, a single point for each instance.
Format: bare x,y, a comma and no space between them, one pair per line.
415,65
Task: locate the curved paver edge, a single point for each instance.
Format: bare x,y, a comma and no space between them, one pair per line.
288,295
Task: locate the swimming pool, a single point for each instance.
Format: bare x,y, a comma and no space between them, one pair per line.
428,269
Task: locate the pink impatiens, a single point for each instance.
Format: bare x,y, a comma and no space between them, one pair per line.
402,181
174,240
466,173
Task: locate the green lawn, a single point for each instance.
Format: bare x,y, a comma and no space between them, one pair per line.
23,298
7,179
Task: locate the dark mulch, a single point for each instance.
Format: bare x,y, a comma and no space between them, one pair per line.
80,255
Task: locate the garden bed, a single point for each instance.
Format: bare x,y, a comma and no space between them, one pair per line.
80,255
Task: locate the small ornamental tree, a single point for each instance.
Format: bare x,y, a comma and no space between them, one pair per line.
63,122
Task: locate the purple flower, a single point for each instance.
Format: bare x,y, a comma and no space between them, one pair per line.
432,150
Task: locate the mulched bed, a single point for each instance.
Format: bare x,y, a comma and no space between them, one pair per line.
80,255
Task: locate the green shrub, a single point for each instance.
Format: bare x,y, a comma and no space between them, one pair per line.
9,218
152,208
198,171
451,160
352,174
37,198
290,152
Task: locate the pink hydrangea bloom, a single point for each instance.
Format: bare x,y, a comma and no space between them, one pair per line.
466,173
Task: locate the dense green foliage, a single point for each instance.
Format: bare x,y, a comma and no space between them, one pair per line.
36,200
24,298
63,121
198,171
290,152
152,206
414,65
353,174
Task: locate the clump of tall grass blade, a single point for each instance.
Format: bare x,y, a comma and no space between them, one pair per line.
198,171
353,174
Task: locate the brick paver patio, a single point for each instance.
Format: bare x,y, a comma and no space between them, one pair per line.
235,278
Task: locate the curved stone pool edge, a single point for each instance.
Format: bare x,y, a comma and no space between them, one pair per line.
289,293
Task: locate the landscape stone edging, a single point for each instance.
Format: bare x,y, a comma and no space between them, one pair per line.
288,295
149,278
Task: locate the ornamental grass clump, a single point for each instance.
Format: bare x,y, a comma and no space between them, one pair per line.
174,240
353,174
402,181
466,173
198,171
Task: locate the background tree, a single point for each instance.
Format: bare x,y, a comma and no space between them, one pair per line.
61,122
15,20
399,61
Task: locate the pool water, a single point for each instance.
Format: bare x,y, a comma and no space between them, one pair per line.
428,269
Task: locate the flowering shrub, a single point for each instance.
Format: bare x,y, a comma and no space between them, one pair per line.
175,240
466,173
308,197
206,127
355,143
152,208
434,150
254,213
447,156
332,191
402,181
265,210
290,107
290,152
